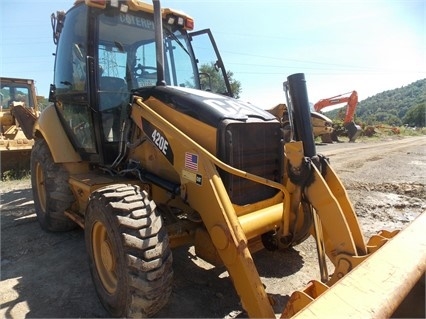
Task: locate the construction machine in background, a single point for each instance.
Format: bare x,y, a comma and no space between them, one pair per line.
321,124
349,127
17,96
136,154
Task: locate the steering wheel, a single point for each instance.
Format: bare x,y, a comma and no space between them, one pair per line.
141,70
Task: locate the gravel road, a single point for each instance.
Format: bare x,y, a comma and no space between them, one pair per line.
46,275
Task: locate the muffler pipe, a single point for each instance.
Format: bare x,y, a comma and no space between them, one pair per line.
301,113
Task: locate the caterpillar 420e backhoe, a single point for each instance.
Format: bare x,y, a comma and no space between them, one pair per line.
137,154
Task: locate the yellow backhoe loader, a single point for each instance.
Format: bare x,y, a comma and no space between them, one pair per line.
136,154
16,96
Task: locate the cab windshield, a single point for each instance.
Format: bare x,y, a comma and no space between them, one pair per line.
127,55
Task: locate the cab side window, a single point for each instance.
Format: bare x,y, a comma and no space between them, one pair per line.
12,93
70,68
113,87
71,93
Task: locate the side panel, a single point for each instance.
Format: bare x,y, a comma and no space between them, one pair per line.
50,127
205,134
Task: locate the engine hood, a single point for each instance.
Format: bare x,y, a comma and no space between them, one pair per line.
205,106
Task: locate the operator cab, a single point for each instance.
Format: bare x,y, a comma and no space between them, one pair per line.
105,53
12,90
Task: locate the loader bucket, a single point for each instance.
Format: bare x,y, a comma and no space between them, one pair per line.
389,283
17,162
15,152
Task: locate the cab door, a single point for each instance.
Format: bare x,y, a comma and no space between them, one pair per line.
71,89
212,73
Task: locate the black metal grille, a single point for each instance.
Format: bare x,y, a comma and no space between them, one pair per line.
255,148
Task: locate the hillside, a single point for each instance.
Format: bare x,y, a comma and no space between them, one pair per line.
405,105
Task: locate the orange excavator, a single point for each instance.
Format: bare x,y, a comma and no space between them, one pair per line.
351,128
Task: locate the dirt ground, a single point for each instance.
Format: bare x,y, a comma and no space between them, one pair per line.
46,275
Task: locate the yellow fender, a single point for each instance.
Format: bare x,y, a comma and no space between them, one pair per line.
50,127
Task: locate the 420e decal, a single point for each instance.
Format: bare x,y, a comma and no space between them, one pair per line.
159,139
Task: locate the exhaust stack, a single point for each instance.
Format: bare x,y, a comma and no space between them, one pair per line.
301,113
159,48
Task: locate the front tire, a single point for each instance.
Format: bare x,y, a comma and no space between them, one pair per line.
51,192
129,254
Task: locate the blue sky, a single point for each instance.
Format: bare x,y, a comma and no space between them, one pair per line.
364,45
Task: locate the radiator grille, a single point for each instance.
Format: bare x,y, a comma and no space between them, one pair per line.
255,148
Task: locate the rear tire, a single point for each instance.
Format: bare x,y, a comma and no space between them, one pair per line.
51,192
129,254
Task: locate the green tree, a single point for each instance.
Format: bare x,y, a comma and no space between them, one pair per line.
394,102
42,102
393,120
416,115
212,79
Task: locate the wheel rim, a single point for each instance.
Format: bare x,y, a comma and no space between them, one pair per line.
104,257
41,186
